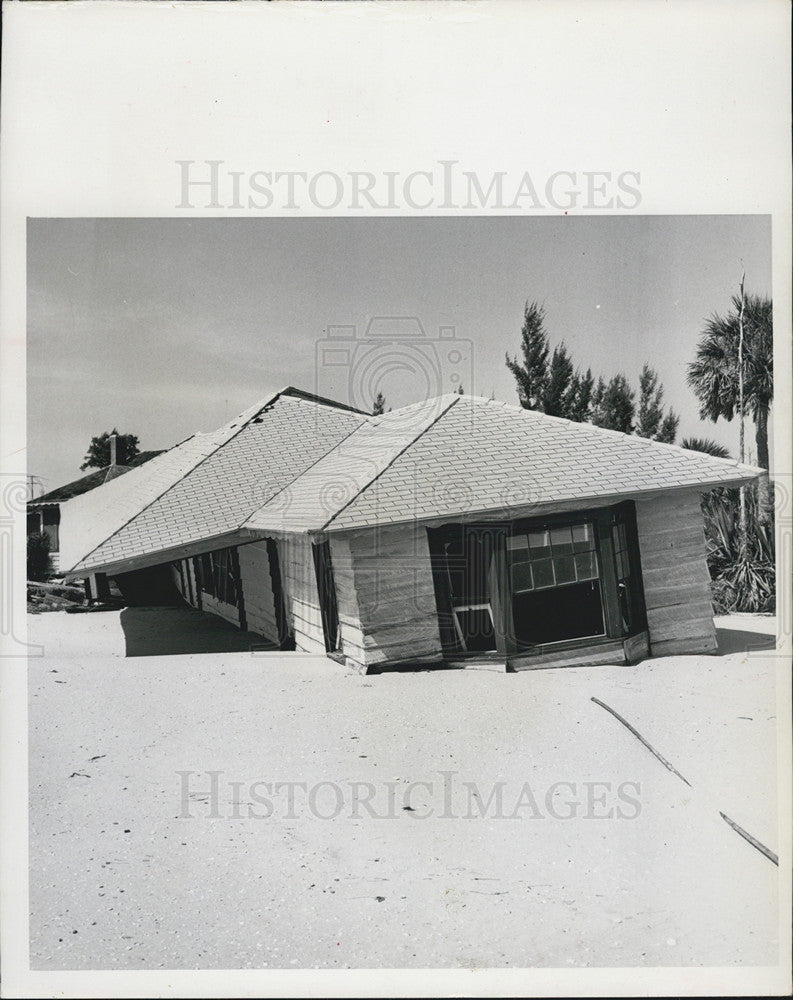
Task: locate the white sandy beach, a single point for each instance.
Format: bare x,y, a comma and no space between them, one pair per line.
122,878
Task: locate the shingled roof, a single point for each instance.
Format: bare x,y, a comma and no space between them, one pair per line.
90,481
303,465
484,456
209,485
479,456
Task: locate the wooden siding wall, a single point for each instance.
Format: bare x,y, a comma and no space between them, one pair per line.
257,590
386,595
675,573
300,593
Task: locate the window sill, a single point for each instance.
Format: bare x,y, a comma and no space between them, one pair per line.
596,651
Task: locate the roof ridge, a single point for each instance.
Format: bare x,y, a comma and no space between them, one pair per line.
455,398
302,473
291,390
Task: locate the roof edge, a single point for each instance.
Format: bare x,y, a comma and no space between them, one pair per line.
526,511
735,463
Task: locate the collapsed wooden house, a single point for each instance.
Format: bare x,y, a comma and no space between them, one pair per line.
457,531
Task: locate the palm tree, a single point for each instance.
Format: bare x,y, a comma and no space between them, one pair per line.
706,445
713,375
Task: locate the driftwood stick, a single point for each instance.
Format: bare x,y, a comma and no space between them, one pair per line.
641,739
750,839
730,822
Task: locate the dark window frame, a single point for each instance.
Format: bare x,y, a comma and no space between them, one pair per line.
286,635
437,537
603,520
220,577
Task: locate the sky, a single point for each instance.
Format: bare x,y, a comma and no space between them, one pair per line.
164,327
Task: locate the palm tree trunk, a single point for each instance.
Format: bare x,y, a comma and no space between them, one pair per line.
764,498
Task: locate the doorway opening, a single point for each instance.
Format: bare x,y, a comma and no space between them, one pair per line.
463,565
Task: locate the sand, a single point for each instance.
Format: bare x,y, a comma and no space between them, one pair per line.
137,865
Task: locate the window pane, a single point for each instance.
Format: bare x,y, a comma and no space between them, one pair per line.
565,569
521,576
586,566
477,629
543,573
562,540
540,544
625,605
583,537
517,542
582,533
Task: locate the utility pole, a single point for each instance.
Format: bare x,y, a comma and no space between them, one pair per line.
740,412
34,482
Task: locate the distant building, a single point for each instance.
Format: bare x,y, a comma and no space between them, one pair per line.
458,531
47,513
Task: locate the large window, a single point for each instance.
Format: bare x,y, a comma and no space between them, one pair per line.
552,557
524,585
555,583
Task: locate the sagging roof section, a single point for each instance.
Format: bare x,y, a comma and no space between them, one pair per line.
314,500
227,475
297,463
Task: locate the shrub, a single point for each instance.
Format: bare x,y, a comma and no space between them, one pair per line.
742,578
38,556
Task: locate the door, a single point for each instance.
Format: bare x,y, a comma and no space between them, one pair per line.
463,573
631,616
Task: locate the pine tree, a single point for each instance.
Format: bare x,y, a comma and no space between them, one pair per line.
379,405
651,412
555,399
652,421
531,374
596,413
580,397
618,406
668,431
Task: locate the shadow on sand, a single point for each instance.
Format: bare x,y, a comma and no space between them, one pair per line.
734,640
171,631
